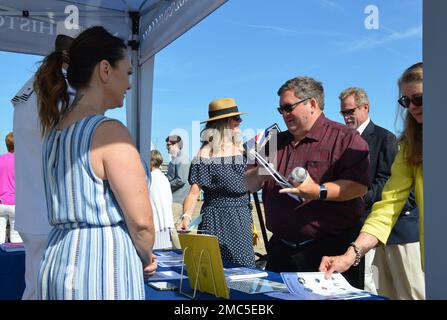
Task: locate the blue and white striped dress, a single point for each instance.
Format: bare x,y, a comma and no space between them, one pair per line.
90,254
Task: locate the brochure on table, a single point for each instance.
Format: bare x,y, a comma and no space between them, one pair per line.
165,276
239,273
169,259
256,285
12,247
314,286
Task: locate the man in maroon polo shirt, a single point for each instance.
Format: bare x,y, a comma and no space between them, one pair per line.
337,161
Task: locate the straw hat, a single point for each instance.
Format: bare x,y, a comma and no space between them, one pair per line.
222,108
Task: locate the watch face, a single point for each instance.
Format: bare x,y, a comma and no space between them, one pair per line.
323,192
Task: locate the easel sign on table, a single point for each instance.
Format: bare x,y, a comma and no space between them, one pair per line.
201,255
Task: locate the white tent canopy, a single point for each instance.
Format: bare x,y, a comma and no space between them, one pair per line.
31,27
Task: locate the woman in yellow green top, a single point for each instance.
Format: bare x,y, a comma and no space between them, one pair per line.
406,173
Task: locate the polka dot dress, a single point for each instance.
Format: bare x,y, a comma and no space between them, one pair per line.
226,211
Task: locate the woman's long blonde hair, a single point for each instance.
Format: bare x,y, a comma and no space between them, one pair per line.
214,133
412,134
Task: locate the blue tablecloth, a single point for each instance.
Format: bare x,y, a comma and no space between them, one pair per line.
12,275
12,282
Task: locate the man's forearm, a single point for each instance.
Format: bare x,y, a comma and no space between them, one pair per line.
344,190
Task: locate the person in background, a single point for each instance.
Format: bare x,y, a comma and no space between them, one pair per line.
31,208
218,170
395,280
336,160
177,174
100,244
7,192
161,200
406,175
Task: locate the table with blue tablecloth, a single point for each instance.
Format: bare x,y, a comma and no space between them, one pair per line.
12,275
12,282
153,294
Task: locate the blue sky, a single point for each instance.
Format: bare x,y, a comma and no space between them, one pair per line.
248,49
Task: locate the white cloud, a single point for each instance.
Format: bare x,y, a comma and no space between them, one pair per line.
266,27
287,30
333,4
366,43
412,32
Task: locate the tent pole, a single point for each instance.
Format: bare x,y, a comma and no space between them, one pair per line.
132,111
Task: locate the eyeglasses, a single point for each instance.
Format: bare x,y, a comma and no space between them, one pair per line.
348,112
236,118
289,107
405,101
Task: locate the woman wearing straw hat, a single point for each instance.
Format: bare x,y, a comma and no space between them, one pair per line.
219,170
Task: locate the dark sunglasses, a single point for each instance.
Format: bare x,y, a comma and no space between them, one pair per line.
289,107
236,118
349,112
405,101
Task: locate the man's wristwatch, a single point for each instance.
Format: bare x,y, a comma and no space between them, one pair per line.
323,192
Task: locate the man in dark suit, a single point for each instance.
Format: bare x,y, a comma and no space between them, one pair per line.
403,244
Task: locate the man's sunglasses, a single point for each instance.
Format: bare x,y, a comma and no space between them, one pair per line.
405,101
348,112
289,107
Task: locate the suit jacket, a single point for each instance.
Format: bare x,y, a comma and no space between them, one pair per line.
178,170
383,148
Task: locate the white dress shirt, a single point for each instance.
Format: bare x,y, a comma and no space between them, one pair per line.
161,200
363,126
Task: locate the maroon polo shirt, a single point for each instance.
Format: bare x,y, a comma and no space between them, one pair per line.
330,151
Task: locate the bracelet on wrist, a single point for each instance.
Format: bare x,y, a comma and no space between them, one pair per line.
185,215
358,254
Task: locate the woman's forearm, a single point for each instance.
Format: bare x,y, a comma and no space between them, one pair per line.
190,202
143,237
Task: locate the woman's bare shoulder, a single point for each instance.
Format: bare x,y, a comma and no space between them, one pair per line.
112,131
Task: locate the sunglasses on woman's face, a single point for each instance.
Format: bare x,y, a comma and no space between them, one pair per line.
237,118
405,101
